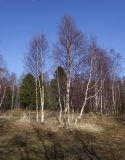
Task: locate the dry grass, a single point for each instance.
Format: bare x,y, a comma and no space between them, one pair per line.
94,138
89,127
23,121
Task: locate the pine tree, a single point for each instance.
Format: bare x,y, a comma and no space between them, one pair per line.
27,95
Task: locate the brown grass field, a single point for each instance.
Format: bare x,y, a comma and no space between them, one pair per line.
95,138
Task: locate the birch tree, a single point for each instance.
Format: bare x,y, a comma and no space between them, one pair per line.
68,51
35,62
94,75
3,80
61,87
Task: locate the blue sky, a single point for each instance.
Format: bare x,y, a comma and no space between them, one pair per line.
21,19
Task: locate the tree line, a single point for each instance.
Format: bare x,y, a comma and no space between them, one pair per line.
86,78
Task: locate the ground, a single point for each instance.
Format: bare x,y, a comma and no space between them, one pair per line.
95,138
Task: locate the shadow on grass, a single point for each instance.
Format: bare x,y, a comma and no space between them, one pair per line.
51,148
48,145
86,148
60,148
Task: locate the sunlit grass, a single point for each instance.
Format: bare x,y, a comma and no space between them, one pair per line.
95,138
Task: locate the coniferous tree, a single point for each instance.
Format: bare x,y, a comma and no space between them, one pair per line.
27,95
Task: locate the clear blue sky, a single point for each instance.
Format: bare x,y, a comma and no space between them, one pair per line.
21,19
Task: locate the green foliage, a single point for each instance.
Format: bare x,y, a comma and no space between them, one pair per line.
46,94
61,75
27,92
53,94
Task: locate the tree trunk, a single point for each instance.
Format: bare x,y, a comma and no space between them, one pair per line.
12,103
86,92
37,108
4,92
41,89
67,107
42,109
59,98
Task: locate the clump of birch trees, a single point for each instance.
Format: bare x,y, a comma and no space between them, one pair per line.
86,77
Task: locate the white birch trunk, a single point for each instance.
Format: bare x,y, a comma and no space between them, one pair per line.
68,86
88,88
59,98
67,107
41,89
4,92
86,93
96,100
42,109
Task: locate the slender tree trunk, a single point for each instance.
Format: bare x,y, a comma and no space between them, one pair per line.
86,93
96,100
101,94
101,100
37,108
68,86
59,98
113,98
104,99
72,113
119,99
42,109
4,92
41,99
41,89
12,103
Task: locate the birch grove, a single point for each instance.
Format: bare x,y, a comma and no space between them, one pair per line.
86,79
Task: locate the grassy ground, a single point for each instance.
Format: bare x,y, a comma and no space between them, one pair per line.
94,139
